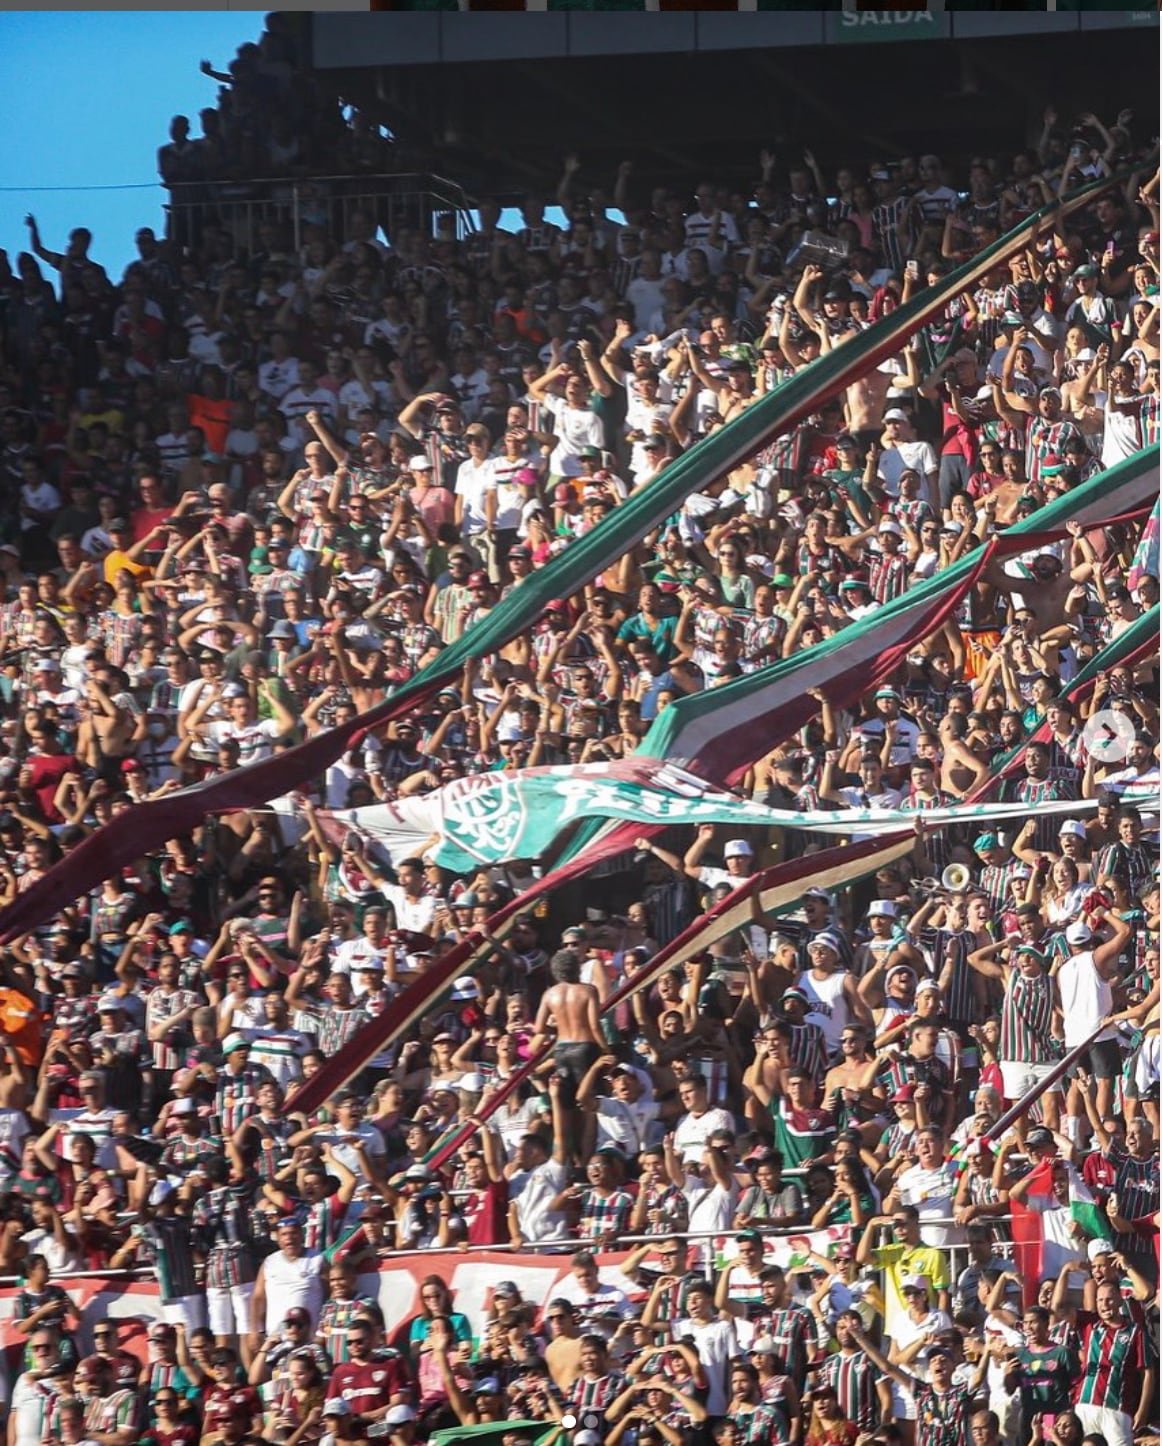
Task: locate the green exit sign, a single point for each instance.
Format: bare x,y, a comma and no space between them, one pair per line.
873,25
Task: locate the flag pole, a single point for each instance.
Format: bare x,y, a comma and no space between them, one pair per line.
1022,1106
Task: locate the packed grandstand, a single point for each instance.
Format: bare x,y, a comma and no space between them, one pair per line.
579,821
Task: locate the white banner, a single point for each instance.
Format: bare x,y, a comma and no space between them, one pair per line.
493,818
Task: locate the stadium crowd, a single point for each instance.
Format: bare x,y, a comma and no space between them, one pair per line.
247,495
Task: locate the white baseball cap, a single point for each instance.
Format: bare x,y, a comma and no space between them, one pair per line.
881,909
1078,932
737,848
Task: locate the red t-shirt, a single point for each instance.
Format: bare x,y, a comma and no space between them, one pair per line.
46,771
221,1402
485,1214
369,1386
142,521
179,1436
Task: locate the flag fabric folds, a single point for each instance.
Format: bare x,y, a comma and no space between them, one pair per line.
492,818
1048,1233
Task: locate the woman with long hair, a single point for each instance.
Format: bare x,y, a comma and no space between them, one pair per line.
294,1416
828,1426
852,1201
436,1304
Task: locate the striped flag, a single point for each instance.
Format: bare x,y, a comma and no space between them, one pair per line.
731,753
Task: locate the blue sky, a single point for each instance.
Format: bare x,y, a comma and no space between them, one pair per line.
86,101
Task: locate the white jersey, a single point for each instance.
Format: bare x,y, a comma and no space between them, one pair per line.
1086,999
828,1005
291,1284
255,740
1122,436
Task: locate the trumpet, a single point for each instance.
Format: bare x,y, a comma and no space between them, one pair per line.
956,878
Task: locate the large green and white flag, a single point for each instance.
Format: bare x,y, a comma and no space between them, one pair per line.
493,818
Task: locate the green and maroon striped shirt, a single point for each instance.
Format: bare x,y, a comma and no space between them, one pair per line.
1112,1361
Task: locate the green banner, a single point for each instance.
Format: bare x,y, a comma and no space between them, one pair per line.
490,1431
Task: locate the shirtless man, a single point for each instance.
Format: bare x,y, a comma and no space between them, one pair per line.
867,398
734,388
1044,596
105,734
570,1010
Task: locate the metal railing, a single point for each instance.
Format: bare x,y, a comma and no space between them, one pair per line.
409,200
549,1247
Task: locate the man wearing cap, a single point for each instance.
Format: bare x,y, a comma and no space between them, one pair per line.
255,737
475,486
887,715
165,1240
943,1408
1046,428
833,998
999,869
903,452
1044,592
737,854
126,555
121,1052
624,1116
448,602
1084,980
1028,1041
